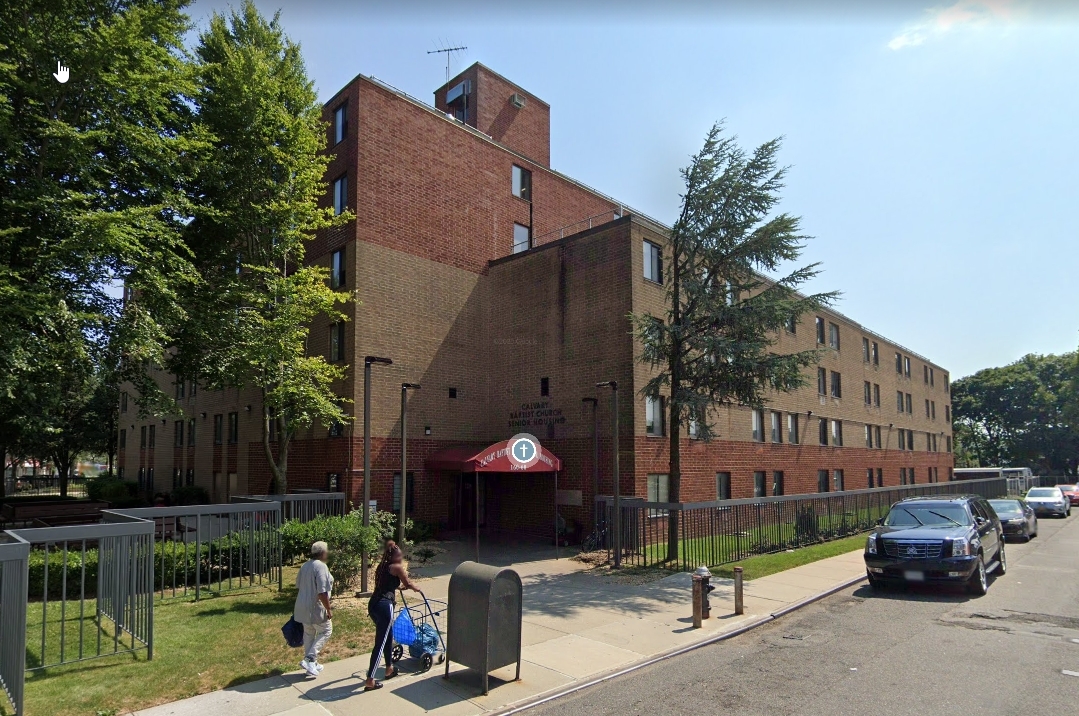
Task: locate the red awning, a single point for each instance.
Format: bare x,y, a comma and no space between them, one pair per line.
491,459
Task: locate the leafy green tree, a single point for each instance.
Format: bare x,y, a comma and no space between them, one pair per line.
714,345
258,192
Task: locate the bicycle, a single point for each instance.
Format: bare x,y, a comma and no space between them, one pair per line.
595,540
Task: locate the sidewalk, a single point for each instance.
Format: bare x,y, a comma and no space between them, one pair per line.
577,627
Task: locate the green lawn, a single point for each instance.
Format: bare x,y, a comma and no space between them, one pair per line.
766,564
198,647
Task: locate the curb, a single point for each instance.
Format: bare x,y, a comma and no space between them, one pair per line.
670,654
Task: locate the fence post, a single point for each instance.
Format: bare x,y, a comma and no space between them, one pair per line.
739,606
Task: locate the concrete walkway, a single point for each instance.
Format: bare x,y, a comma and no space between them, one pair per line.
578,626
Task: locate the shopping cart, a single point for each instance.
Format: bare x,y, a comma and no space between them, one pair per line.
417,628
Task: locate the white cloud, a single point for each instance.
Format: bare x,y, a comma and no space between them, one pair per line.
939,21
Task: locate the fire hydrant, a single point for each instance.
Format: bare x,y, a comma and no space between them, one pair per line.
702,609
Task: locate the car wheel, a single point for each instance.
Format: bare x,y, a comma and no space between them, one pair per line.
979,582
1002,560
875,584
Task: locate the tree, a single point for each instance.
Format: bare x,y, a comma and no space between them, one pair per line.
257,193
713,346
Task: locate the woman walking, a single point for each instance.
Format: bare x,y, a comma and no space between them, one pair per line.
389,576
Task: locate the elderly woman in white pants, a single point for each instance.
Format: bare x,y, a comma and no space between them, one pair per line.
314,584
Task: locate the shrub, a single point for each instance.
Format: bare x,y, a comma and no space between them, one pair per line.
118,493
346,537
190,495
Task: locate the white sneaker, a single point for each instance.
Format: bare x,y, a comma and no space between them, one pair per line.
318,668
310,668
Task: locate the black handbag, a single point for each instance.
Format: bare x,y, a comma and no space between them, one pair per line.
293,633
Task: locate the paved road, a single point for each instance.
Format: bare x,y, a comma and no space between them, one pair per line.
923,651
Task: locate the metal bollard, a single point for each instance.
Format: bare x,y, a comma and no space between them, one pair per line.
739,607
698,602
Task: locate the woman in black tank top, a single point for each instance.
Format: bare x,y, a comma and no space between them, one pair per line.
390,575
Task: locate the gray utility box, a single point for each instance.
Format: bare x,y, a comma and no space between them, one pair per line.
484,623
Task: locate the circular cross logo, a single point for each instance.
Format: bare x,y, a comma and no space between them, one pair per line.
524,450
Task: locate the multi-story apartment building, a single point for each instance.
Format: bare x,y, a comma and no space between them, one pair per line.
503,288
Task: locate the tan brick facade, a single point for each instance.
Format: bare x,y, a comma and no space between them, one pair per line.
485,331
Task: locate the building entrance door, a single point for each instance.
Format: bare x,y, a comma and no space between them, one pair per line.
466,500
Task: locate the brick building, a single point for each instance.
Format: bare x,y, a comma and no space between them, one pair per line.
503,288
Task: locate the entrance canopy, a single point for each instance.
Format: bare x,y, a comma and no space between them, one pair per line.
495,458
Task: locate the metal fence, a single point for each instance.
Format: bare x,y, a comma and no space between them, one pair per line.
14,557
42,486
91,590
211,548
303,506
713,533
1020,485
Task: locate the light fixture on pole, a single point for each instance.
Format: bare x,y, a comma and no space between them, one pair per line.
404,458
368,361
613,385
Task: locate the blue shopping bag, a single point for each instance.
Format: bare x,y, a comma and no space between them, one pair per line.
426,641
404,632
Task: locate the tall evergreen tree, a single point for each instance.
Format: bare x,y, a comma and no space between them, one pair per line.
258,193
714,345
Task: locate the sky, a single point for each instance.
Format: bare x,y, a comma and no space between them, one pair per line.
933,148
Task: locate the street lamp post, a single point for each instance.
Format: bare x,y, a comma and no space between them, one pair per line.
613,385
404,458
368,361
595,455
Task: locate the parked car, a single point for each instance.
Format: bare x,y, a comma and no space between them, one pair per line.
937,540
1071,492
1016,517
1048,501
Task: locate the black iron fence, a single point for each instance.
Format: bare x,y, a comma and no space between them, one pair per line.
724,531
42,486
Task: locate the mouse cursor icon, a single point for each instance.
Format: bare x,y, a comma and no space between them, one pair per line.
61,73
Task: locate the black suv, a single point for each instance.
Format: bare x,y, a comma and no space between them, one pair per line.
937,539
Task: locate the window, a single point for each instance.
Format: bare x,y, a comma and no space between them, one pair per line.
876,395
837,433
142,436
178,433
758,425
899,363
337,341
822,481
865,350
948,413
823,430
910,440
120,472
869,477
925,371
340,123
934,441
653,262
122,441
792,428
189,479
410,494
948,443
234,428
175,477
340,194
927,407
837,385
653,415
191,432
868,390
931,383
903,440
876,354
869,436
723,486
945,378
522,183
123,402
457,100
694,429
153,430
910,474
822,381
777,482
876,432
880,477
838,479
833,336
219,421
194,388
902,476
180,383
933,409
758,484
906,366
658,488
777,427
336,429
910,404
899,400
337,269
792,325
820,330
142,478
545,386
522,238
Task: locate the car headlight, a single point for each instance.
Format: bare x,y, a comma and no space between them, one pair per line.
871,545
960,547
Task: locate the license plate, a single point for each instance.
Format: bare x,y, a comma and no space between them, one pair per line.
914,576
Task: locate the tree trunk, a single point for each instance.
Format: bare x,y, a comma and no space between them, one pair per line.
674,476
62,467
279,466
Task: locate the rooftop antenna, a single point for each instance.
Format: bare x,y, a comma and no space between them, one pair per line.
449,52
